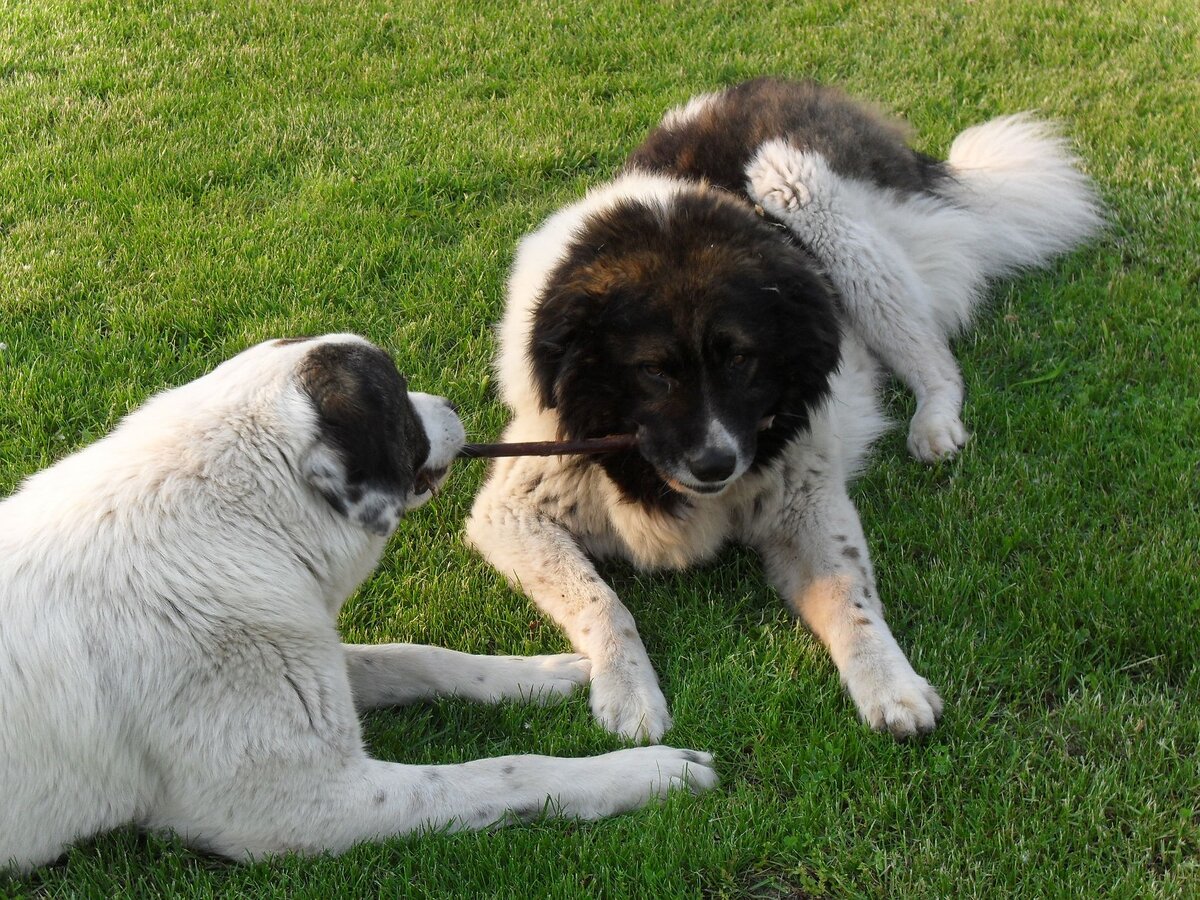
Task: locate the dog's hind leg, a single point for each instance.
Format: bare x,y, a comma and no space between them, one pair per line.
883,296
394,674
302,800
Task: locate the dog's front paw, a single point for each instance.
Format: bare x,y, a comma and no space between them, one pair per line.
935,435
648,772
783,179
628,704
891,697
593,787
530,679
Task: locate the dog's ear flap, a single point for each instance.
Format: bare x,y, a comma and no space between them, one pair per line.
375,504
813,302
368,440
562,318
322,467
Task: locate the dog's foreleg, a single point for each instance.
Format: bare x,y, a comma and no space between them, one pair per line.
541,558
279,806
395,674
818,561
883,295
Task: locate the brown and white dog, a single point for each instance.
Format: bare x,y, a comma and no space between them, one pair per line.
168,649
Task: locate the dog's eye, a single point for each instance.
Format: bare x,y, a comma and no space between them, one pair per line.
737,360
656,379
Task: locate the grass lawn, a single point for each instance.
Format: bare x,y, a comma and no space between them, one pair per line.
181,179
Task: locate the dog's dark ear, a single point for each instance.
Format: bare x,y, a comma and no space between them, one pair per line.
562,319
370,442
814,336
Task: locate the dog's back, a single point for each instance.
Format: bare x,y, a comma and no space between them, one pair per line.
1009,195
715,136
64,749
102,627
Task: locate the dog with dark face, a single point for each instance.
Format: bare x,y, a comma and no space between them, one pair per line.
634,334
168,646
734,299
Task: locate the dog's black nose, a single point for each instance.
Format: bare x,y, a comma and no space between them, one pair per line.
713,464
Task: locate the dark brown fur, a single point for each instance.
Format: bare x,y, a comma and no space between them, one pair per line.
718,143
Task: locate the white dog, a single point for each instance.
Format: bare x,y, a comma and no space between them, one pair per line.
168,652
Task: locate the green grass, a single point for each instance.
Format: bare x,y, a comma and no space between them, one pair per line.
181,179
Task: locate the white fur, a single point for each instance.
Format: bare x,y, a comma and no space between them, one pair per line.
168,652
911,269
681,115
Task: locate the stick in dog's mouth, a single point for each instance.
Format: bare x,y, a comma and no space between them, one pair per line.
550,448
607,444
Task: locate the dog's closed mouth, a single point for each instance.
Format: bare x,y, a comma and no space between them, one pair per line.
687,488
428,480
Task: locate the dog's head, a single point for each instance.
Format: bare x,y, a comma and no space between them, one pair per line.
338,414
690,321
376,449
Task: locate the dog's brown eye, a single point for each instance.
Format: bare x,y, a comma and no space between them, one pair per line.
652,370
738,360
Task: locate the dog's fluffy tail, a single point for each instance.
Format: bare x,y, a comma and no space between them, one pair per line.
1018,175
1014,198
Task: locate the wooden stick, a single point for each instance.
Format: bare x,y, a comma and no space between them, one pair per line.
550,448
